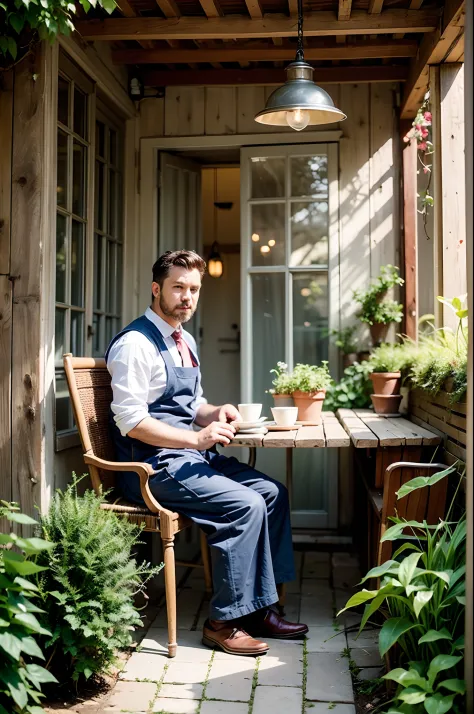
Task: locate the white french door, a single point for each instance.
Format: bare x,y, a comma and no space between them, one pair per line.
290,295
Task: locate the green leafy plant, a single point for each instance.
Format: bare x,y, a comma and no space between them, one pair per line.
352,391
20,676
422,599
344,339
282,381
88,588
421,133
393,358
376,308
310,378
23,22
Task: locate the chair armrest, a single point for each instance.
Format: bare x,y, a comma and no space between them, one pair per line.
143,471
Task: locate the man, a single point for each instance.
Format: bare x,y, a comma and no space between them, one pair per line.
157,400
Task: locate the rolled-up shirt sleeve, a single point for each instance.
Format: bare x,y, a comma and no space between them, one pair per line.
130,366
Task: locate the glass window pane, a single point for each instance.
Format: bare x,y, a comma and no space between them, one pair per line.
98,283
63,406
110,331
80,112
61,257
268,234
111,282
62,163
118,283
77,264
113,147
100,139
310,317
60,346
268,177
309,175
113,207
268,332
309,233
99,195
77,333
63,100
98,347
78,179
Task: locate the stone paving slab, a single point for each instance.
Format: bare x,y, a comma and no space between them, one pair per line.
190,647
175,706
282,666
181,691
328,678
224,708
231,681
366,656
319,589
278,700
325,639
316,613
370,673
141,666
186,672
323,708
131,697
367,638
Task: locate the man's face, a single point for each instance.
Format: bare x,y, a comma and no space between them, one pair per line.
178,298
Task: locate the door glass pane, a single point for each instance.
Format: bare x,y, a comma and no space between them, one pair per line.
63,409
110,278
78,179
268,332
59,334
309,233
267,236
63,101
80,112
61,189
309,175
267,177
61,265
310,317
98,250
77,264
100,139
113,207
99,195
113,147
97,340
77,332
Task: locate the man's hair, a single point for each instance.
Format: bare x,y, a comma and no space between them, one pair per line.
182,259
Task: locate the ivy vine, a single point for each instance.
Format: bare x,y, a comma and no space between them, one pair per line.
421,133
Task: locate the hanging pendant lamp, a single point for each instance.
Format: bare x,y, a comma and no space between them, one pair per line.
299,102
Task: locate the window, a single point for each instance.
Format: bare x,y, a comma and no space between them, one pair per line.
89,230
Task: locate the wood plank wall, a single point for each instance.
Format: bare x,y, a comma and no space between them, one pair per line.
368,168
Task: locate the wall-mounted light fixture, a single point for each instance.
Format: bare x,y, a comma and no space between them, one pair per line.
136,90
215,265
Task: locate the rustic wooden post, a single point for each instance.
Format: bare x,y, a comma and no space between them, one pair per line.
410,237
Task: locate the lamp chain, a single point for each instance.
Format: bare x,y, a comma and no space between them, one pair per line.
300,50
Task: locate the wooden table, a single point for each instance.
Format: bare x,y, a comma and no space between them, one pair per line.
329,434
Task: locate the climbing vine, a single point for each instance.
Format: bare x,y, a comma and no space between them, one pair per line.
24,22
421,133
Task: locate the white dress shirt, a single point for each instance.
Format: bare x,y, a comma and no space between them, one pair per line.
138,373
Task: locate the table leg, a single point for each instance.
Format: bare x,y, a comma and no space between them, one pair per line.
289,474
252,456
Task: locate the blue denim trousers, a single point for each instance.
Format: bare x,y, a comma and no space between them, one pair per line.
246,518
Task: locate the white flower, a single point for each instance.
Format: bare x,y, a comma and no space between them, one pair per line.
282,366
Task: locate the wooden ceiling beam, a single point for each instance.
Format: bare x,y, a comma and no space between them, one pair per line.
128,11
255,9
293,7
169,8
266,77
379,50
344,10
375,7
317,24
434,49
414,5
211,8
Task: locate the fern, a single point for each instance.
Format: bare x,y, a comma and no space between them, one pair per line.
88,588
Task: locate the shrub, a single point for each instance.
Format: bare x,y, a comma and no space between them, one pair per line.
20,677
310,378
422,598
375,307
344,339
393,358
87,590
352,391
282,381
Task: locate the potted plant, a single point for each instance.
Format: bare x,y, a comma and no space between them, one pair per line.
388,362
309,384
282,388
344,339
377,310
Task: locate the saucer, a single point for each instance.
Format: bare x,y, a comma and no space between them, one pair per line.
253,430
239,425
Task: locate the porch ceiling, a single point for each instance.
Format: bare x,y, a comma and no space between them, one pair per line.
250,41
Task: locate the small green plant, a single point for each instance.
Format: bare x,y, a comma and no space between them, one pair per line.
310,378
352,391
344,339
282,380
87,590
375,307
422,598
20,677
392,358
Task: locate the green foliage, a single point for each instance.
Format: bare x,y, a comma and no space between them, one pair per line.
87,590
310,378
344,339
352,391
282,381
375,307
422,598
20,677
393,358
24,20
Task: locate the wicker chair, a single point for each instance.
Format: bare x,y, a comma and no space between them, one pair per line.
91,394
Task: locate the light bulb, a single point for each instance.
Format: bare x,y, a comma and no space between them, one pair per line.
264,249
215,268
298,119
271,242
255,237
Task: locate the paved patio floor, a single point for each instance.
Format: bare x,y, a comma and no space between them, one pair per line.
309,676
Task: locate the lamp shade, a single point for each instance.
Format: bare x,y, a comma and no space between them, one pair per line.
215,266
299,102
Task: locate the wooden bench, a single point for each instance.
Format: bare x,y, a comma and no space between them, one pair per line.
91,394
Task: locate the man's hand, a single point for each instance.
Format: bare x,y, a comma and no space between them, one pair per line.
216,433
228,413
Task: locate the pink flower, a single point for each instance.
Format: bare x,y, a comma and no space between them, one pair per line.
418,127
424,132
428,117
426,170
422,146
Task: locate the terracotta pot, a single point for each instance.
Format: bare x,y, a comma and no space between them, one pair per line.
310,405
378,333
363,356
386,382
386,403
283,400
349,359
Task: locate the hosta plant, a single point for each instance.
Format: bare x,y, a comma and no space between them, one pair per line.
21,676
422,600
352,391
88,588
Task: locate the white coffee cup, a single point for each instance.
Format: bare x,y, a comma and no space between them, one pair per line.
285,416
250,412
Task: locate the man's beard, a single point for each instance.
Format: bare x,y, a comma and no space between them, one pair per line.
174,312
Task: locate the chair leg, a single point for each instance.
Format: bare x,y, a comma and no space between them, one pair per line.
170,590
206,561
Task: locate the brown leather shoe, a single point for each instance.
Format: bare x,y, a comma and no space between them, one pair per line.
232,639
268,623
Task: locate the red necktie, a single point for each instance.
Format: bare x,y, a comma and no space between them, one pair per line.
183,349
